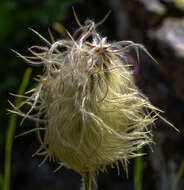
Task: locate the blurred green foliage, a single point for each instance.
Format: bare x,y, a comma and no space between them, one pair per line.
11,130
15,14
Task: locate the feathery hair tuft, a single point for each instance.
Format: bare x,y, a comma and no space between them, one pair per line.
86,99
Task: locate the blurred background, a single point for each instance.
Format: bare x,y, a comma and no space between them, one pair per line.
159,25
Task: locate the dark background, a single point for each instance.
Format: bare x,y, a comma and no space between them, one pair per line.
158,24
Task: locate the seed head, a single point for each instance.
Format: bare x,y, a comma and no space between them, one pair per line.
92,113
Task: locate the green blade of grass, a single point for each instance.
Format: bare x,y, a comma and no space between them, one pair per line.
1,182
178,176
11,130
138,171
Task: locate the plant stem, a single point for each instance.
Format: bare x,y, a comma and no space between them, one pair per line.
138,171
178,177
1,181
11,131
87,181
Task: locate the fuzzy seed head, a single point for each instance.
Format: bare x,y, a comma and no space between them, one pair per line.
87,103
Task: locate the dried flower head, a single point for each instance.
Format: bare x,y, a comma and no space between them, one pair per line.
93,115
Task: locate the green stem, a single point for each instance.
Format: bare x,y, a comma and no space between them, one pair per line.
1,182
11,131
87,181
178,176
138,171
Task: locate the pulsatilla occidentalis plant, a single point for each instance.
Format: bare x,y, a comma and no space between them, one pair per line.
86,101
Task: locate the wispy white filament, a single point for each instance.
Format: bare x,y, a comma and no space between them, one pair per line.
93,113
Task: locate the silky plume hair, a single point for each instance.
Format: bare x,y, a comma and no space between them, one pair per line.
86,102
